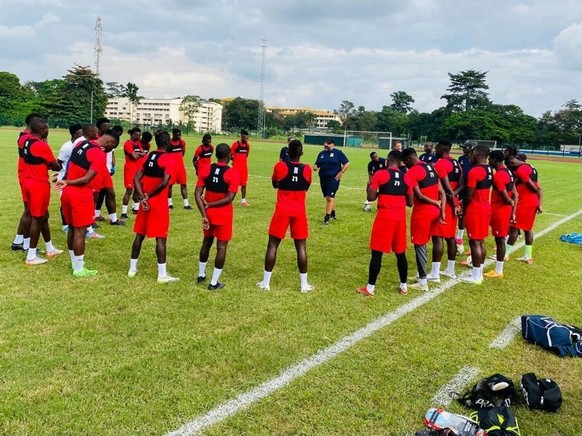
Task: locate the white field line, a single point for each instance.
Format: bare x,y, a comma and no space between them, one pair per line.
507,335
452,389
246,399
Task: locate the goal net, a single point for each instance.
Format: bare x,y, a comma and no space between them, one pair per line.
369,139
489,143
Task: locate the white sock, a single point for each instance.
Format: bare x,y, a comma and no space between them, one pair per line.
162,270
72,256
403,286
133,264
243,201
267,277
499,267
460,233
90,230
79,262
303,279
186,202
370,288
31,254
49,246
124,209
26,243
134,206
215,276
451,266
18,239
475,273
202,269
435,269
170,203
423,282
97,213
481,270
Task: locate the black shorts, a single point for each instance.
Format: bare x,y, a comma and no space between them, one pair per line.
329,188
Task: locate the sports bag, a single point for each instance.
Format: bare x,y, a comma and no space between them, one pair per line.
572,238
562,339
495,390
543,394
497,421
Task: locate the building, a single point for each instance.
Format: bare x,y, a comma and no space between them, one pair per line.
156,111
322,117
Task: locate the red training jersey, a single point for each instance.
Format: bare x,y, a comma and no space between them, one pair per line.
218,180
203,155
527,197
84,157
425,177
22,137
449,167
157,164
292,180
392,189
502,181
480,178
130,147
36,155
240,153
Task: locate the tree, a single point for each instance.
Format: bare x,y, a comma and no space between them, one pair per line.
345,111
131,92
240,113
364,120
15,99
189,106
83,98
390,120
401,102
467,91
115,90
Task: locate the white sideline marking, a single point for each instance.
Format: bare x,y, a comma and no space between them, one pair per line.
244,400
507,335
445,395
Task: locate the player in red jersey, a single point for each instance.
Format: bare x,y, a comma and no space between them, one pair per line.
239,153
529,204
389,187
133,160
449,173
292,179
38,158
177,150
503,204
203,154
86,166
153,217
428,209
220,185
477,208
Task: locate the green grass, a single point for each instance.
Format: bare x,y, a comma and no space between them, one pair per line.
110,355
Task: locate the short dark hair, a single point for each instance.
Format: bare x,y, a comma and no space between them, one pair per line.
74,127
101,121
511,150
244,132
146,137
497,155
372,154
37,124
481,150
222,150
162,138
176,130
117,129
31,117
408,152
206,136
134,130
112,134
395,156
295,149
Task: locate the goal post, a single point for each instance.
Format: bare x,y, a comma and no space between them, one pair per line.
368,139
488,142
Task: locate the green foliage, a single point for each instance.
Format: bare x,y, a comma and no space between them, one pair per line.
401,102
467,91
189,106
240,113
15,100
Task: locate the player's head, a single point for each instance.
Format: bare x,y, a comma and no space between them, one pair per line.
510,150
295,149
176,133
39,127
118,129
146,137
467,147
76,131
443,148
162,139
329,144
479,154
134,133
397,146
103,124
512,162
522,156
244,136
207,139
109,140
496,158
222,152
289,139
428,147
394,158
28,120
89,132
409,156
374,156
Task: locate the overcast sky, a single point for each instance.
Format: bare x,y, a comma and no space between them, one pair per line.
319,52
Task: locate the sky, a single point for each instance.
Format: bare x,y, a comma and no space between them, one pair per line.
318,52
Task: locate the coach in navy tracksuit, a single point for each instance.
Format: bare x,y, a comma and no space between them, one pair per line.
332,164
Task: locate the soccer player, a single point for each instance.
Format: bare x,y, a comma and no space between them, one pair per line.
88,163
76,131
503,203
292,180
203,154
376,163
388,186
22,239
398,147
331,164
529,204
177,150
428,156
239,153
284,153
465,164
133,160
449,173
220,185
38,158
428,208
153,217
478,210
146,143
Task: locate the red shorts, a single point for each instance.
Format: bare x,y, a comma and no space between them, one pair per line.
525,217
477,223
500,218
243,175
181,178
78,207
128,175
221,232
38,197
449,228
388,235
22,191
280,223
423,222
106,181
154,223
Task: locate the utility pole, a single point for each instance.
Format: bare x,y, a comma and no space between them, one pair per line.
98,47
261,117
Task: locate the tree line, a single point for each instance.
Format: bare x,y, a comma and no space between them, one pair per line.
467,112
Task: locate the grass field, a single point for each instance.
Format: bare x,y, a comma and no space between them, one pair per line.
116,356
